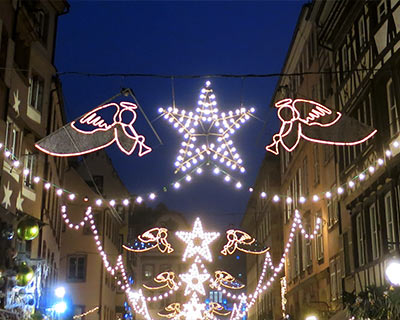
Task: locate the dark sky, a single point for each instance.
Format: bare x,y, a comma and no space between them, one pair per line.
184,37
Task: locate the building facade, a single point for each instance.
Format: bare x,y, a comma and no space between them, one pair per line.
365,36
88,283
263,220
31,105
344,55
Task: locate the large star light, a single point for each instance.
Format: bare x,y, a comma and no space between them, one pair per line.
206,135
194,280
197,241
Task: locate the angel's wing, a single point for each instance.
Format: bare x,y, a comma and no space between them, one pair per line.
316,114
101,118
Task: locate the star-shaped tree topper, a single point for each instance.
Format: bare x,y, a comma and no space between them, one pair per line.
197,241
207,134
194,280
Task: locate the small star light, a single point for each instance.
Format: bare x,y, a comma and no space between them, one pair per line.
194,280
197,241
193,308
206,133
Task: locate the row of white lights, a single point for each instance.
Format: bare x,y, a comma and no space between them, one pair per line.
124,284
328,194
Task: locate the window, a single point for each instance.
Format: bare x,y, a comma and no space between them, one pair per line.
148,271
76,268
36,87
374,231
333,209
332,270
360,240
362,36
316,164
393,114
12,138
390,232
42,21
381,10
319,239
30,164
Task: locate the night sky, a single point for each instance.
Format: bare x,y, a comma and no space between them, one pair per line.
179,38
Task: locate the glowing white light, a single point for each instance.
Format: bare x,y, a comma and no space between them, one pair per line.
396,144
380,161
197,241
71,196
47,185
251,189
227,178
152,196
99,202
289,200
340,190
371,169
361,176
125,202
238,185
16,163
263,194
199,170
315,198
60,307
351,184
36,179
177,185
216,170
328,195
276,198
59,192
388,153
26,172
59,292
139,199
112,203
302,199
393,273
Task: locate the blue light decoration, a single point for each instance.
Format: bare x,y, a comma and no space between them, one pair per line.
128,311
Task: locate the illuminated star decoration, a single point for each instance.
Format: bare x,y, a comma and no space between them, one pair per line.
20,200
7,195
193,309
16,102
197,241
206,123
194,280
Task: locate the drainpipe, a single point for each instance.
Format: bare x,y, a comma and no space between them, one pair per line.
101,266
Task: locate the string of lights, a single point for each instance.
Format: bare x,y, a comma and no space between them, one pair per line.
350,185
79,316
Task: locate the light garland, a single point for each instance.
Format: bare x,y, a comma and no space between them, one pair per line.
283,296
78,316
193,278
206,122
71,196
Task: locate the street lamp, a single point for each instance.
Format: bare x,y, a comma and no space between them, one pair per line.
393,272
311,317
